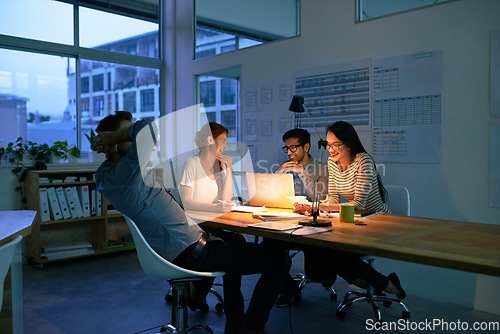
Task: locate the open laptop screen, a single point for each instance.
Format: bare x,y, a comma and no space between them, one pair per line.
270,189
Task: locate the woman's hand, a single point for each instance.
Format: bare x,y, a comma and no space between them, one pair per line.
223,206
302,209
227,161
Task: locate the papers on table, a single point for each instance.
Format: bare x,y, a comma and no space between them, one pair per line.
269,215
300,200
291,228
248,208
276,226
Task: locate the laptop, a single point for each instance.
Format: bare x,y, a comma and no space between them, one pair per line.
270,190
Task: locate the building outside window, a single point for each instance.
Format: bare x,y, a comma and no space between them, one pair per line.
147,100
97,83
98,106
85,86
129,102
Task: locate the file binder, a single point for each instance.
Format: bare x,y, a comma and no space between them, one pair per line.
93,204
83,192
55,210
44,205
98,203
74,205
63,203
76,198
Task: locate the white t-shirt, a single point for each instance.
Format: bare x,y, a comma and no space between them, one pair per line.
193,176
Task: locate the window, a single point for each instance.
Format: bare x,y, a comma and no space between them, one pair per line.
22,18
110,32
97,83
222,27
85,86
147,100
207,93
370,9
41,91
228,91
98,106
129,103
228,118
44,80
219,94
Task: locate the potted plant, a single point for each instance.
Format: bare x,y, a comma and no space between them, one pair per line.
91,139
17,152
62,150
34,156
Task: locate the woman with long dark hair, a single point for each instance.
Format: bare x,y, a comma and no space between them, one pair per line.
352,174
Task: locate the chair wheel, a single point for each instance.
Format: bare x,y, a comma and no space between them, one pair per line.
387,303
405,315
333,297
168,298
219,307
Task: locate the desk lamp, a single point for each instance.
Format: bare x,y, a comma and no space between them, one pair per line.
297,106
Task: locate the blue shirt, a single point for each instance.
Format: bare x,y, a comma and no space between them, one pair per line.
134,191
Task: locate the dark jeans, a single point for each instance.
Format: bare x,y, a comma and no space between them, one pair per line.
237,257
324,264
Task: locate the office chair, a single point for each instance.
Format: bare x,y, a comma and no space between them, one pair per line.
6,255
179,278
398,201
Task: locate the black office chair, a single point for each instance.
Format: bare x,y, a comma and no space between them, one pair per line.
302,280
398,201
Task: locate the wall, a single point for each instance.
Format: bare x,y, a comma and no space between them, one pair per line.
457,188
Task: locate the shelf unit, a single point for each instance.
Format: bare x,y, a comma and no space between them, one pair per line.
107,233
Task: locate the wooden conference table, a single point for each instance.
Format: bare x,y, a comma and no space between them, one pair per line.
13,224
473,247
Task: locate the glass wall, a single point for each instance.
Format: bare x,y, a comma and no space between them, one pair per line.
220,26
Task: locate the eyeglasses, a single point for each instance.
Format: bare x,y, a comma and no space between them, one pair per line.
334,147
292,148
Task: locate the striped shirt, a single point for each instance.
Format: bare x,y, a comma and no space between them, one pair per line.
357,183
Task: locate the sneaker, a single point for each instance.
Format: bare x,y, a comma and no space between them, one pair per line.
395,280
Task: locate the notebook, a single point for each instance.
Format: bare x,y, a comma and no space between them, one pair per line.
270,190
276,226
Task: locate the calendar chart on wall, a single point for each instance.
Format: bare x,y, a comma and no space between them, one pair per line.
336,92
406,108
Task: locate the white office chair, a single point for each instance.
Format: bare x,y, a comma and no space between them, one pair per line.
398,201
179,278
6,255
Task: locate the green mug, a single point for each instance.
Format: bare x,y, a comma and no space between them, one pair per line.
346,213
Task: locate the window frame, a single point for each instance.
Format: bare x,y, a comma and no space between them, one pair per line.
359,11
81,53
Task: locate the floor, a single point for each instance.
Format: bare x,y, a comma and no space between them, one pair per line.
111,294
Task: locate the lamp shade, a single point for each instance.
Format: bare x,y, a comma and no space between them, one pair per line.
297,104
